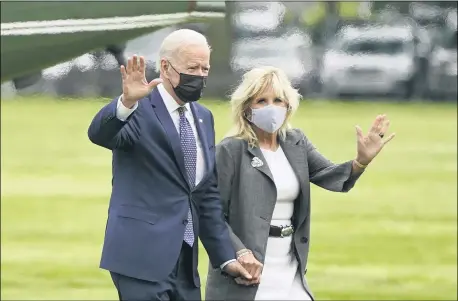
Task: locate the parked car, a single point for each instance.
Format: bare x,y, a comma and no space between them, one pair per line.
370,60
252,19
442,75
291,52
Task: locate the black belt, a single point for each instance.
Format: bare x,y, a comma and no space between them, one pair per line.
281,231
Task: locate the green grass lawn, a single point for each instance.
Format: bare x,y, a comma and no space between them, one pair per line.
393,237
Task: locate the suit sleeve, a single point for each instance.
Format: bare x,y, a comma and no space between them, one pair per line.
324,173
214,232
114,128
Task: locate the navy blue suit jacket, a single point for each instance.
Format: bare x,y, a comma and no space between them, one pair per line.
150,192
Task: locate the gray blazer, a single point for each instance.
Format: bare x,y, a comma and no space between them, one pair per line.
249,195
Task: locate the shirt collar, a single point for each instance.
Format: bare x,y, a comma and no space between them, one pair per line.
169,102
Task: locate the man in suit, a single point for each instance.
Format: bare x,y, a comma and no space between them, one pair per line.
164,186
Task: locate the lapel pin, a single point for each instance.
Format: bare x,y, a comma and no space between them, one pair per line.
200,120
256,162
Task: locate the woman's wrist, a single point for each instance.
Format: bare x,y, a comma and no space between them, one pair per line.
362,161
359,164
242,252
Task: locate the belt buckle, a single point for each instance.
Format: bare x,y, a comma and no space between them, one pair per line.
286,231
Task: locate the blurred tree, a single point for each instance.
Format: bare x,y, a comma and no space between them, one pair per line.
220,36
314,14
347,10
322,17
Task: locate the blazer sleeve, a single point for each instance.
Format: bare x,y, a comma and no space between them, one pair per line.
110,132
214,232
225,169
326,174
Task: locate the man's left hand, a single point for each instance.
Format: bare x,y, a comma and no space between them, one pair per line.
368,146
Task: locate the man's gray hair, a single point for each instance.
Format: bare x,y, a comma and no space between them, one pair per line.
178,40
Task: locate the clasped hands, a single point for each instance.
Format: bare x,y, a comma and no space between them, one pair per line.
246,258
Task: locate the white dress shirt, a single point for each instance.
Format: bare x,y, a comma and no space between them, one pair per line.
172,107
122,113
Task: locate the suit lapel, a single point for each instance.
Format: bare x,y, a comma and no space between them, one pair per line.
198,120
297,158
295,155
164,118
256,156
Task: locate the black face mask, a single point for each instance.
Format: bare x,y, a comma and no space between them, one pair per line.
190,86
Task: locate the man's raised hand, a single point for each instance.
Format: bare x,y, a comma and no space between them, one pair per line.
134,83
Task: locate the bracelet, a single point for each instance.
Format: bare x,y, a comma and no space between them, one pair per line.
244,253
359,164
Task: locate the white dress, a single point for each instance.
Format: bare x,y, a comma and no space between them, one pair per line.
280,278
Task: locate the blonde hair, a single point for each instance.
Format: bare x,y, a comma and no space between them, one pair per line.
254,83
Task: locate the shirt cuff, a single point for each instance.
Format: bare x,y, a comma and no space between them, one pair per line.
122,112
226,263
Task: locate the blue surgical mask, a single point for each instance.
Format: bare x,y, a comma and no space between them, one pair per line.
269,118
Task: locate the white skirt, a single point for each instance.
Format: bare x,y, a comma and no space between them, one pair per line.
280,278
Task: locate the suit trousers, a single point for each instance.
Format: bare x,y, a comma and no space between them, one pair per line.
178,286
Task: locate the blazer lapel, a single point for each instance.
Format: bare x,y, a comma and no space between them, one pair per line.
259,157
164,118
198,120
297,158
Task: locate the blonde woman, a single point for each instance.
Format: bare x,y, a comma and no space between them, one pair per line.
265,168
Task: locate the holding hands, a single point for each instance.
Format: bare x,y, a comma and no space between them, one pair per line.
252,265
